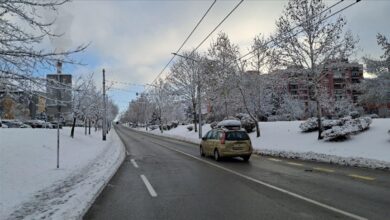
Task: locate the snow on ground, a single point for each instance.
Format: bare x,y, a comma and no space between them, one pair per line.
31,187
368,149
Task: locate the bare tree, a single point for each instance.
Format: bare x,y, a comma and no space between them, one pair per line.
184,80
221,85
306,39
22,31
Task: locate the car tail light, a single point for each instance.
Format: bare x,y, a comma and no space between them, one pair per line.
223,137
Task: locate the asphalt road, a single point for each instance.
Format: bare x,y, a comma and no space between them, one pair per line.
163,178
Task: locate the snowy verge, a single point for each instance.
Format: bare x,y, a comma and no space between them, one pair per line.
31,186
326,158
370,149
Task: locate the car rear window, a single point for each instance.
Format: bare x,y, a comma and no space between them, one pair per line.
237,136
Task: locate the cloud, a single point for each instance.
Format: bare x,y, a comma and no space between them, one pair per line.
134,40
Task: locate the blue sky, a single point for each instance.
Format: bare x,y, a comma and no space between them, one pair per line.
133,40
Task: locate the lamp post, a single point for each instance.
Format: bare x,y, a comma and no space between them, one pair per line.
104,106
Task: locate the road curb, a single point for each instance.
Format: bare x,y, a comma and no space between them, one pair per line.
122,157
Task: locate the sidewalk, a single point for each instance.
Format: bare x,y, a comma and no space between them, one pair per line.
31,187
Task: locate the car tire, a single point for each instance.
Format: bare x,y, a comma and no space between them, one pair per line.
246,158
217,157
201,151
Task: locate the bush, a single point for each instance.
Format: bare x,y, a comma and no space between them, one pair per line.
354,114
246,122
174,124
327,124
350,126
309,125
190,127
336,133
153,127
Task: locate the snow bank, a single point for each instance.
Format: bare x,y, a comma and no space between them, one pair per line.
368,149
32,187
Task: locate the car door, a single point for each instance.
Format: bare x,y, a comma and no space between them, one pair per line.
210,143
205,142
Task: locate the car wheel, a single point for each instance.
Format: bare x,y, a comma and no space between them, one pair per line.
201,151
246,158
216,155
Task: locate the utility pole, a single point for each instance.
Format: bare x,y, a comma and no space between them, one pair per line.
104,106
58,118
199,108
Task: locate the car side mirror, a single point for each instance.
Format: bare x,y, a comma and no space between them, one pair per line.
204,138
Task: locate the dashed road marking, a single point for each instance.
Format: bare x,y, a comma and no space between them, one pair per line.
323,169
149,186
273,159
361,177
134,163
325,206
295,164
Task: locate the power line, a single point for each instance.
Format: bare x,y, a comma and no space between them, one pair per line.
185,41
220,23
329,16
327,9
204,40
126,83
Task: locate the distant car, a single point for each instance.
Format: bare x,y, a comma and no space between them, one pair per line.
35,123
12,123
48,125
24,126
2,125
54,123
223,142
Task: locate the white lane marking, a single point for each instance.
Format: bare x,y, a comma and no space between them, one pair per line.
273,159
351,215
134,163
295,164
149,186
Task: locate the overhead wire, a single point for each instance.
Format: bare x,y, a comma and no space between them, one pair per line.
185,41
204,40
323,19
216,27
327,9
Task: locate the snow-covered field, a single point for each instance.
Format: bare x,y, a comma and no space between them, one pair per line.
368,149
31,187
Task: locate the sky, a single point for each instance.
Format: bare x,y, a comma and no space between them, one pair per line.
133,40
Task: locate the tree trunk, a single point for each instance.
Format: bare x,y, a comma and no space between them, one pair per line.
161,126
257,129
319,115
73,125
249,113
89,126
85,126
